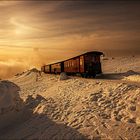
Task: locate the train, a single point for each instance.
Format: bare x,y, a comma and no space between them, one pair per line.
86,65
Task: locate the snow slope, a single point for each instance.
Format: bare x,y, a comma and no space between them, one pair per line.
104,108
8,96
121,64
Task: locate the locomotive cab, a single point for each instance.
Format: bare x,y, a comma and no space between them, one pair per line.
92,64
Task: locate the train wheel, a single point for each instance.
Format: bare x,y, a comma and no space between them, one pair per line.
93,75
85,75
82,75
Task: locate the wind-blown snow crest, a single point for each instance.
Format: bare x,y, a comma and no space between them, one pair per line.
9,97
135,78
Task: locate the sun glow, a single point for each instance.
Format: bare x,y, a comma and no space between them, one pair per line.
19,31
21,28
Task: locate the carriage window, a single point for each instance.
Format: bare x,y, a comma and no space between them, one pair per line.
72,63
81,61
97,59
93,59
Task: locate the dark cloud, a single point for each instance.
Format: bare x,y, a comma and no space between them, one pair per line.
82,17
69,17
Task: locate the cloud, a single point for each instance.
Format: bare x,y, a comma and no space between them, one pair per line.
10,68
81,17
42,30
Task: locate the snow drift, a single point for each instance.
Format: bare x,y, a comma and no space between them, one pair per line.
9,97
132,76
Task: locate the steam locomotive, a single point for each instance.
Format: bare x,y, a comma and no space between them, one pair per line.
87,65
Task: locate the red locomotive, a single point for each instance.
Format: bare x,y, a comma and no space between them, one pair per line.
87,64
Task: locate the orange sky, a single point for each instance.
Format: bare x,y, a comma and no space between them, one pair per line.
33,33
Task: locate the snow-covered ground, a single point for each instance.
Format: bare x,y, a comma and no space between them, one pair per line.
8,96
121,64
46,107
